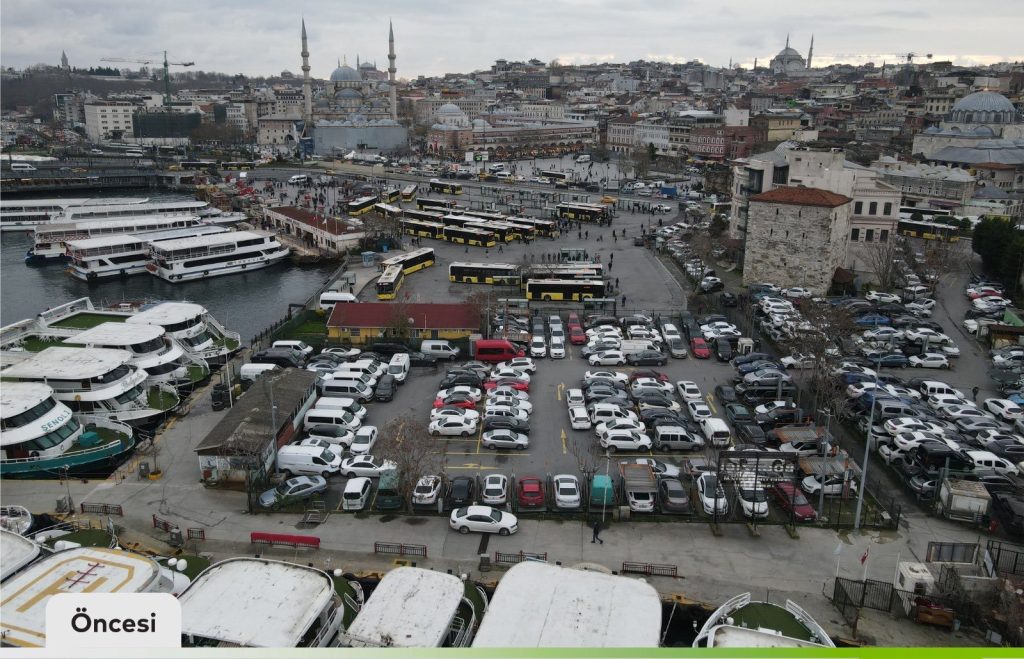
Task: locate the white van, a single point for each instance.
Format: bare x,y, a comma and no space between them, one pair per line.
344,404
357,493
716,431
676,437
134,153
495,168
331,298
346,388
250,372
440,349
300,179
359,374
583,158
373,367
504,176
931,388
399,366
22,167
303,349
295,460
331,417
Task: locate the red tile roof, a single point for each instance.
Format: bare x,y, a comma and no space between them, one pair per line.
424,316
797,196
332,225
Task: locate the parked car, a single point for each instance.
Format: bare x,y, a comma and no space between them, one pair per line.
500,438
530,491
673,497
428,489
483,519
495,490
712,494
293,490
566,490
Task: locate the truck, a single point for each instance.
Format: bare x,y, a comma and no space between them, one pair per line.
639,486
601,492
963,500
669,191
802,440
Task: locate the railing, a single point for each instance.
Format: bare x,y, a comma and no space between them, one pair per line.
650,569
162,524
273,539
102,509
502,558
327,629
399,549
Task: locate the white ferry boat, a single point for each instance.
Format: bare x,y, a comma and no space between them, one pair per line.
24,214
273,604
162,357
122,255
200,257
192,325
50,241
743,623
118,211
99,382
80,570
19,552
40,436
415,608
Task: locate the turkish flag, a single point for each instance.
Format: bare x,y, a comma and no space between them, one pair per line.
864,557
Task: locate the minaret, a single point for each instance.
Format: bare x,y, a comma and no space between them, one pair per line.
755,64
307,92
64,61
787,40
810,53
391,71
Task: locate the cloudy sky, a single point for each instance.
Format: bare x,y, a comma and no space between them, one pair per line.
261,37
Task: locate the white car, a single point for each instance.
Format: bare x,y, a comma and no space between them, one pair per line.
567,491
698,410
344,353
508,392
538,347
506,412
334,434
908,440
335,449
605,427
502,438
954,412
651,384
575,398
483,519
625,440
452,426
798,360
939,401
579,419
883,334
453,412
660,469
463,389
834,485
906,424
509,401
716,326
797,292
712,494
510,373
929,360
688,390
884,298
520,364
607,358
427,490
774,405
851,367
495,490
752,496
365,465
557,349
1003,409
364,440
919,334
918,309
617,376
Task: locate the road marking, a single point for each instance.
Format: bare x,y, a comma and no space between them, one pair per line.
479,437
558,390
564,448
711,404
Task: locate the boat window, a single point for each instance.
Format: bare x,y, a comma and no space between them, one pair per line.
185,324
28,415
160,369
148,346
114,375
130,395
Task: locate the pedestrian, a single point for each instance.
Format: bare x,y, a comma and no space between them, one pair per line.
597,533
616,283
623,300
610,264
611,257
974,392
613,233
579,235
586,234
500,249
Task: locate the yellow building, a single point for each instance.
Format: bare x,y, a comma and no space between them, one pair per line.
365,322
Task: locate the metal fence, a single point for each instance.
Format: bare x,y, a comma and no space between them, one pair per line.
504,558
1004,559
845,603
399,549
650,569
103,509
951,552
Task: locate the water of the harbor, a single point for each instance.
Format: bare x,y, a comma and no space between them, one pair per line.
246,302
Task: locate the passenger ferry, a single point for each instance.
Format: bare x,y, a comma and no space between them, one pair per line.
21,214
743,623
122,255
186,259
111,211
79,570
162,357
19,552
41,437
270,604
51,240
192,325
99,382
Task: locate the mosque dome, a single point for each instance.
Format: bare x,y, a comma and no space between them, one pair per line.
449,109
984,102
788,53
345,73
348,93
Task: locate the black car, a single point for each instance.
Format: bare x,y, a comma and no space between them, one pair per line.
726,394
389,348
385,390
647,358
587,351
654,398
728,299
506,423
463,491
417,358
749,433
752,357
737,413
456,379
723,350
595,391
1008,510
605,382
781,416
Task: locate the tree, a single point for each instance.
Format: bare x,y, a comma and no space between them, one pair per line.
400,324
405,441
640,160
652,152
882,260
1001,248
718,226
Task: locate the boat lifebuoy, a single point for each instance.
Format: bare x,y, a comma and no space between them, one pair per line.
244,266
91,275
124,272
206,273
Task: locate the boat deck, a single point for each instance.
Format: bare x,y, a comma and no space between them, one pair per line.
161,400
87,320
759,614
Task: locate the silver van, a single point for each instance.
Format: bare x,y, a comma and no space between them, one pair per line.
250,372
440,349
356,494
344,373
346,388
344,404
716,431
293,459
328,417
676,438
398,367
936,388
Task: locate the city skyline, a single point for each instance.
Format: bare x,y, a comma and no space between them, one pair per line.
475,35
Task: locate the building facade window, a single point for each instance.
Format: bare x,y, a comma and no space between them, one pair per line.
858,207
887,209
873,208
869,236
883,236
854,235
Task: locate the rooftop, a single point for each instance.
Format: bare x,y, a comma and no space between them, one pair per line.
272,604
798,196
16,397
331,225
119,334
18,551
105,206
423,315
60,363
541,605
140,221
167,313
212,240
410,606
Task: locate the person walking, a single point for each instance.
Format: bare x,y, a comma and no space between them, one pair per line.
974,393
623,300
616,283
597,533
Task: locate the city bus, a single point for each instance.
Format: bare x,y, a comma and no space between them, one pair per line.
428,204
238,165
451,220
501,274
520,230
469,236
501,232
928,231
412,261
484,215
387,211
426,216
556,177
361,205
926,214
582,212
566,271
389,283
423,229
197,164
445,187
542,228
409,193
391,195
550,290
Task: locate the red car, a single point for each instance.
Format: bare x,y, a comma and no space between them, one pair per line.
456,400
792,500
700,349
648,373
520,385
573,319
530,491
577,336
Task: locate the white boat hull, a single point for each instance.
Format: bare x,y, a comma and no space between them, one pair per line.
227,268
108,272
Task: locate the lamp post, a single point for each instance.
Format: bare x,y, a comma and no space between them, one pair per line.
867,456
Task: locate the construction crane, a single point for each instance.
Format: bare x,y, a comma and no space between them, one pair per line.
167,75
910,57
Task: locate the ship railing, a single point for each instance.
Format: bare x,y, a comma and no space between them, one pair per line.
224,332
66,309
192,252
808,621
92,450
328,629
109,249
107,423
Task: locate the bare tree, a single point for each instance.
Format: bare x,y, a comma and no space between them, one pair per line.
815,336
406,442
400,324
883,260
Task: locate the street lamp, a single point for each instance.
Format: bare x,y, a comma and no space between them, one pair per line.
867,456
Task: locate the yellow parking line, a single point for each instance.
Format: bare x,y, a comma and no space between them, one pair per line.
524,454
479,437
564,448
558,390
711,404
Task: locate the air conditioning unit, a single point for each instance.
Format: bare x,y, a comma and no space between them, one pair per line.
64,505
175,538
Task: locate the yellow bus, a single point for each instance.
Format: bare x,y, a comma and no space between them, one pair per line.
412,261
389,283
